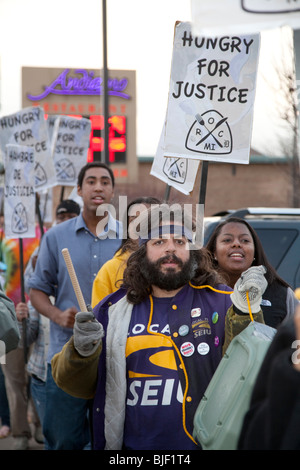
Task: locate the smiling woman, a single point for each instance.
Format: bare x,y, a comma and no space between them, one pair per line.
234,247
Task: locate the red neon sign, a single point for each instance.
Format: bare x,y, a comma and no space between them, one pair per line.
116,138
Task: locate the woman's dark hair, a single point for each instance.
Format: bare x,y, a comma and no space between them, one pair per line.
260,258
126,241
94,165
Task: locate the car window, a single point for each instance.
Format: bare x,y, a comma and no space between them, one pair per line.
276,243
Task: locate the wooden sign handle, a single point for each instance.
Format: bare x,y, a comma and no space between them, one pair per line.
74,280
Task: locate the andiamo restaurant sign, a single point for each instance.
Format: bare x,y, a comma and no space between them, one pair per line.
79,93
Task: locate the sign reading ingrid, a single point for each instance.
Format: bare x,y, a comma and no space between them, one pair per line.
85,83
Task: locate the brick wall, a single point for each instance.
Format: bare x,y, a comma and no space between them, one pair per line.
228,186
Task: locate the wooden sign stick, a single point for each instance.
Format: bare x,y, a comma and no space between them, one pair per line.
74,280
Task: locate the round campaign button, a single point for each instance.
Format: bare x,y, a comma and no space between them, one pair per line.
196,312
183,330
215,317
203,349
187,349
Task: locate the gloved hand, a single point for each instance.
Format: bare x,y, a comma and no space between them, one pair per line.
87,333
253,281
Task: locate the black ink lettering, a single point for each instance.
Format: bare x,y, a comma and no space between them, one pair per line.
248,44
221,97
179,90
199,88
17,174
188,38
231,100
199,42
243,95
224,66
211,88
235,44
187,92
224,43
211,43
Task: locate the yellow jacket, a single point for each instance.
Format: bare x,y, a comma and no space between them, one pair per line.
106,281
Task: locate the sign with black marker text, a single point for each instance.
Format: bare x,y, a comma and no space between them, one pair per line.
19,193
180,173
70,142
28,128
211,97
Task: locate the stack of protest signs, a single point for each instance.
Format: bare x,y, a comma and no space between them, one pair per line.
37,154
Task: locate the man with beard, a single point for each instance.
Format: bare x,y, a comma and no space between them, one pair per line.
164,331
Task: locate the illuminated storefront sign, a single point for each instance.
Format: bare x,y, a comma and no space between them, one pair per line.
117,138
85,84
78,92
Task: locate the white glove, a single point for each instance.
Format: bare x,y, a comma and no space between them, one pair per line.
254,282
87,333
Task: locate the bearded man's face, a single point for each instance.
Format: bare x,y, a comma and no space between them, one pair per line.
169,263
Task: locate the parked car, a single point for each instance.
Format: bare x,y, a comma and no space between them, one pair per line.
279,232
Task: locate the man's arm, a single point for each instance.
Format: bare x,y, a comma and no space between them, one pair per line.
75,374
43,305
74,368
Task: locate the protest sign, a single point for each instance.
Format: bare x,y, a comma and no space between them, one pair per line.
28,128
52,122
220,17
211,97
70,141
180,173
19,194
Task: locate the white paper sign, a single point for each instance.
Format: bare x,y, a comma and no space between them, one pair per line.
218,17
180,173
28,128
19,193
71,140
211,97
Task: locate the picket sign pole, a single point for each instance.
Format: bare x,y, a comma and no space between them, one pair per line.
24,325
38,213
74,280
167,193
203,182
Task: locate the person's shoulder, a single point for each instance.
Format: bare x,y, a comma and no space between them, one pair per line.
114,297
223,287
63,227
110,300
217,288
67,224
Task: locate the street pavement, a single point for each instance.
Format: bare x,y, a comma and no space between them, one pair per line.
8,443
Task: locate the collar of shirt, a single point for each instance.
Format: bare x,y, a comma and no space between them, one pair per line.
112,229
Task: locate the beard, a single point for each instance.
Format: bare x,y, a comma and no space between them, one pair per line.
169,280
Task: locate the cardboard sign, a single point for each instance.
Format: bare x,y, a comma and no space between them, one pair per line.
19,193
28,128
211,97
180,173
242,16
70,140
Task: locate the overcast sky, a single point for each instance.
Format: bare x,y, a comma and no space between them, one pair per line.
68,33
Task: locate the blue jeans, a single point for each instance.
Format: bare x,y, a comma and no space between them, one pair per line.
38,393
65,425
